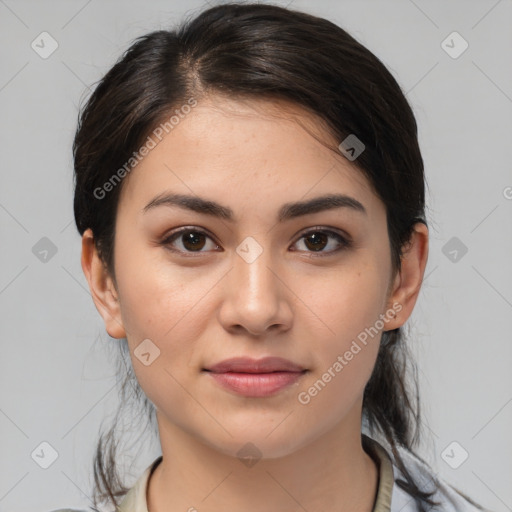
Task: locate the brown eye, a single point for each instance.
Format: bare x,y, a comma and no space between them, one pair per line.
189,240
316,241
193,241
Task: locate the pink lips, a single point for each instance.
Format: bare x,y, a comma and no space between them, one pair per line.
256,377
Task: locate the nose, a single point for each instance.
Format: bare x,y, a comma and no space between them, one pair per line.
256,297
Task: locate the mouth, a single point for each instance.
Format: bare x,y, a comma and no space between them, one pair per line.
256,384
256,378
248,365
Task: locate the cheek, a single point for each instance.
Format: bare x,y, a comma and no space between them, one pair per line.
169,308
349,301
172,306
343,362
347,343
160,299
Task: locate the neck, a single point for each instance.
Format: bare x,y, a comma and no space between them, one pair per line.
331,473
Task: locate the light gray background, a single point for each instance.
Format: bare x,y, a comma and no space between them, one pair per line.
57,383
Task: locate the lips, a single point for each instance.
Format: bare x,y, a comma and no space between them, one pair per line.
256,378
249,365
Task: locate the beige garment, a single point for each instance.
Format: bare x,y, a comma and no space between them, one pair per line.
136,498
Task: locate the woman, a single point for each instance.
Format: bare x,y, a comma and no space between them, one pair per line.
250,196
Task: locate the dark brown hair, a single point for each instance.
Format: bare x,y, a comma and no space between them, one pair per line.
261,51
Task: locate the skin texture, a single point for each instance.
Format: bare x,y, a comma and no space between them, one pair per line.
253,156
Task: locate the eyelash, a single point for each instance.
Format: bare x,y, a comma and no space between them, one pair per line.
344,242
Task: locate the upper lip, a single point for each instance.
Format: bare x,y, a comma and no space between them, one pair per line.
249,365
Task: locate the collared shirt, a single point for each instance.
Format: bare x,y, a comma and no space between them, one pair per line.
136,499
389,497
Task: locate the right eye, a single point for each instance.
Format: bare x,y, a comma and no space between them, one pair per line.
191,240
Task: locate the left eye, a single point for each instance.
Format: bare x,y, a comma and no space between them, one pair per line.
318,240
193,240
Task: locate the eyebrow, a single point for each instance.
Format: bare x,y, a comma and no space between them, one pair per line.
286,212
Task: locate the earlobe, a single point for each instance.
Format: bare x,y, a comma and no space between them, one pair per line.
408,281
102,287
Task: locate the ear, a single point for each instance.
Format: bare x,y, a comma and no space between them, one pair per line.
102,287
407,282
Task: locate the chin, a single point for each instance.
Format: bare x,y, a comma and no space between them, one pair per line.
257,441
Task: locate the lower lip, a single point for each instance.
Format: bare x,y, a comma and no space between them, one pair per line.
256,384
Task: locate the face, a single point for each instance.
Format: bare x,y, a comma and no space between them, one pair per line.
261,278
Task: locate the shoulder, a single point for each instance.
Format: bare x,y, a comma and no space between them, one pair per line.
449,498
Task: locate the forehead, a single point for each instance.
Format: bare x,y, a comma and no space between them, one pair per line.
247,150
